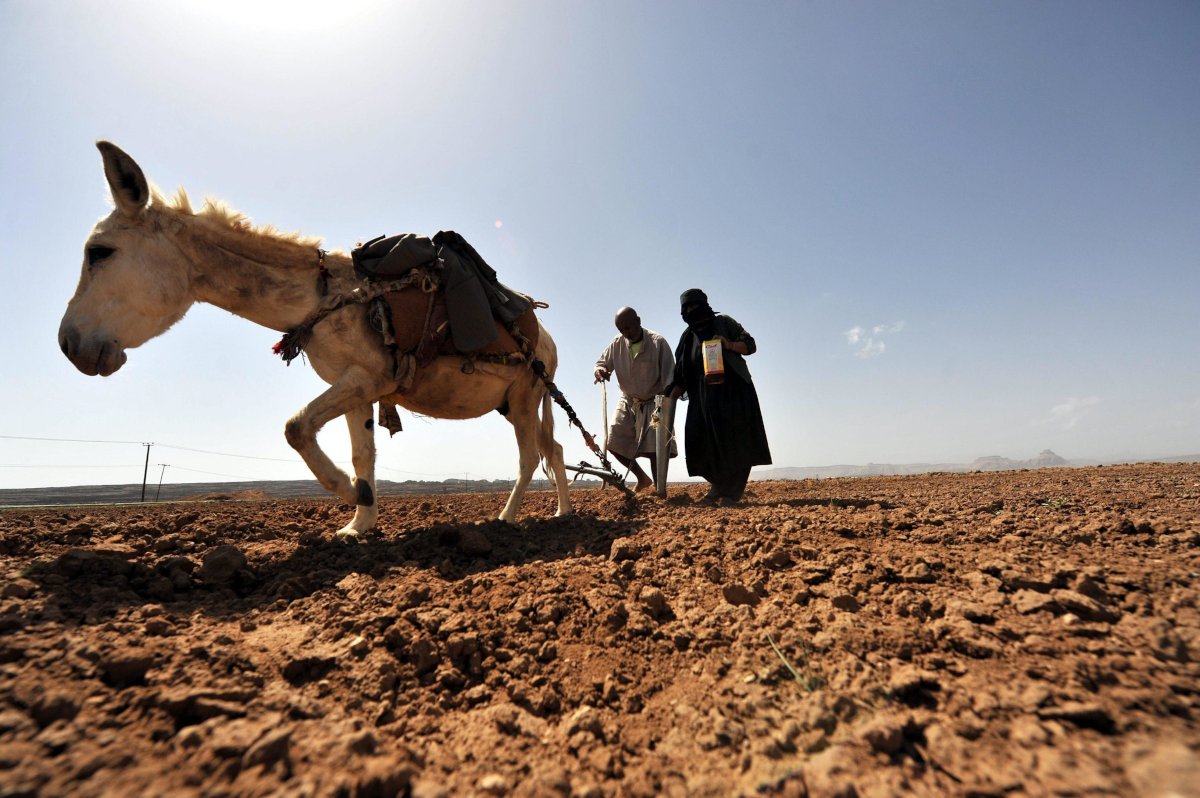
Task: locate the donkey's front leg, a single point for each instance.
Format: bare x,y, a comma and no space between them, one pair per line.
362,447
353,390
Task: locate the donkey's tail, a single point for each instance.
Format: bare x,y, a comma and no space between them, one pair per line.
550,449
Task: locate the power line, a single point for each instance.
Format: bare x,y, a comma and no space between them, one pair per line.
226,454
20,465
64,440
199,451
218,474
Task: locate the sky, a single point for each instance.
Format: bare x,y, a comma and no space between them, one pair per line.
955,229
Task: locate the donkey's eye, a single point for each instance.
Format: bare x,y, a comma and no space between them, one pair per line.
97,254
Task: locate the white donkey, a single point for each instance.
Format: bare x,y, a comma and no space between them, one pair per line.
149,260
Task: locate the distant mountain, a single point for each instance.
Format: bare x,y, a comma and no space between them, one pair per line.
1044,459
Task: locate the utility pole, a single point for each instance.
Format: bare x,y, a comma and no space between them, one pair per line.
160,476
146,470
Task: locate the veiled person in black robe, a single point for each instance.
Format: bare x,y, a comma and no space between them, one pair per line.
724,434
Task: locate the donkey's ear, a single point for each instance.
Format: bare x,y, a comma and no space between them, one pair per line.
125,179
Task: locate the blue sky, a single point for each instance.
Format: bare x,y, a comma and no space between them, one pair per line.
955,229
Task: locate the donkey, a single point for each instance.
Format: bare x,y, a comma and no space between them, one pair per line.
150,259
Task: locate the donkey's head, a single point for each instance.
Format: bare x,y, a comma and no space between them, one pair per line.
134,282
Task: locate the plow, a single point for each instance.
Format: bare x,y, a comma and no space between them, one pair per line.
661,424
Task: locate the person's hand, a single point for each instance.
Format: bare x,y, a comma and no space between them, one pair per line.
737,347
601,374
675,393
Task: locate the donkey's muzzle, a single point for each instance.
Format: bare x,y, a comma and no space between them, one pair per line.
91,356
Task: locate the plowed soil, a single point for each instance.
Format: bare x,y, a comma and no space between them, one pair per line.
1020,633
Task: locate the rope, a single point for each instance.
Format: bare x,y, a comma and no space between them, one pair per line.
294,340
539,368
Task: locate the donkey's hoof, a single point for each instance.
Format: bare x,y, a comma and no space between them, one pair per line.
346,535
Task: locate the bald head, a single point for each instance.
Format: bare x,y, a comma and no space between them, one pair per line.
629,325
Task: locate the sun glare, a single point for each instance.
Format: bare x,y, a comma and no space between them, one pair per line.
284,16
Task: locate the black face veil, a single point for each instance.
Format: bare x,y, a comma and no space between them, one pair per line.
694,307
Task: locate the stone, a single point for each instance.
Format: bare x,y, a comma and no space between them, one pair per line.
738,594
126,669
655,602
1087,608
222,565
1027,602
624,549
1085,715
474,543
845,602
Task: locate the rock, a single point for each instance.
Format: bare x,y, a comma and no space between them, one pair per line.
655,603
914,686
1087,608
18,588
624,549
223,565
53,706
1085,715
814,574
738,594
1089,587
232,738
918,573
1028,732
585,719
474,543
13,720
829,773
423,652
126,669
975,613
494,784
1030,601
363,741
885,733
846,602
300,670
386,777
778,558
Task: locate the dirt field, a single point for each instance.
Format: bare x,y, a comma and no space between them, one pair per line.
1019,633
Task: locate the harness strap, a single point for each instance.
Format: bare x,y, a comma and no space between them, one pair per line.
294,340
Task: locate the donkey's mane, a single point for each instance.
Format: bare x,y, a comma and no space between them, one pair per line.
221,214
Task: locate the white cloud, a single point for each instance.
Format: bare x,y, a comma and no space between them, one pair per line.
871,344
872,349
1070,411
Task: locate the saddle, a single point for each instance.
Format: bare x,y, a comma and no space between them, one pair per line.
451,304
420,325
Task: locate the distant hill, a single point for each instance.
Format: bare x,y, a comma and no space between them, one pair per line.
228,491
310,488
1044,459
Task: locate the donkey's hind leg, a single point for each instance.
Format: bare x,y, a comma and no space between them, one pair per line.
522,414
362,445
552,453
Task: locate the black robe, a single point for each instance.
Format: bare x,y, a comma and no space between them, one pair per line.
724,433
